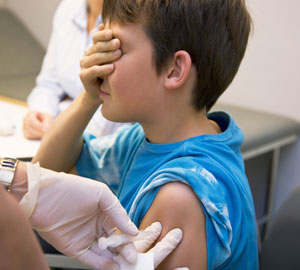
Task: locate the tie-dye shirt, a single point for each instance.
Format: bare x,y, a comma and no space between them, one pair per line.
211,164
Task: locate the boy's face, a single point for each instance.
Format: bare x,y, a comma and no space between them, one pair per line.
132,92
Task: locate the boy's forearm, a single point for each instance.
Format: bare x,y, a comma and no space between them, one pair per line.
62,143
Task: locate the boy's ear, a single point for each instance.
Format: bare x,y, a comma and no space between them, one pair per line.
178,70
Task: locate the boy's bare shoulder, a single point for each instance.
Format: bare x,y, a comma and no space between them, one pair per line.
176,196
177,206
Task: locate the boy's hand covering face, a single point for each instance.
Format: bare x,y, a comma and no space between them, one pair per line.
98,61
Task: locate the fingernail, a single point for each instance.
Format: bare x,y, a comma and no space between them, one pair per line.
117,52
115,42
110,67
107,34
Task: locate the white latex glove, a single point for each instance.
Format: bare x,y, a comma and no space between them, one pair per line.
143,242
72,212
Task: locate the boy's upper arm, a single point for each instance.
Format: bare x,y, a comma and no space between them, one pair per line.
177,206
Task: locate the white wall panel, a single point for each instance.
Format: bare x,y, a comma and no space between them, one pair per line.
269,75
2,3
36,15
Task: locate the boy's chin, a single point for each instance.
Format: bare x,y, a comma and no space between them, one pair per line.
114,118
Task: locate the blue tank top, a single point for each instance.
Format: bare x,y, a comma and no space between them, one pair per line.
212,165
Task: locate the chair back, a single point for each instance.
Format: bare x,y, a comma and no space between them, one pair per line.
281,247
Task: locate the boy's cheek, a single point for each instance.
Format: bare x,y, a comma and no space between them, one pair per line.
120,70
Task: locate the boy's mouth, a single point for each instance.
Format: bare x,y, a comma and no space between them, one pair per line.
102,93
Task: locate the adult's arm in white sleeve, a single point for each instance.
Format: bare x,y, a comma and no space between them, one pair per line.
47,93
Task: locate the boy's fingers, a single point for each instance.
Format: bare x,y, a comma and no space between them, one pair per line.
96,71
102,35
99,59
103,46
101,26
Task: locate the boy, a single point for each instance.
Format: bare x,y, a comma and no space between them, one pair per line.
170,62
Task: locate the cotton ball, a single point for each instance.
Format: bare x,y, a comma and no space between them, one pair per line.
7,128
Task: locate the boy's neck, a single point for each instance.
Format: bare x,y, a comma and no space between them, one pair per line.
179,128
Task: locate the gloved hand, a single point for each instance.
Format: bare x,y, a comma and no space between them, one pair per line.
72,212
143,242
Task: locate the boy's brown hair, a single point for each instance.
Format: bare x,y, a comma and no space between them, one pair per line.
214,32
